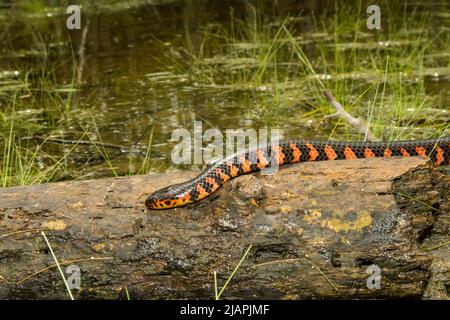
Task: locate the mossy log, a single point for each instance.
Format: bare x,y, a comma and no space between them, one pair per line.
316,230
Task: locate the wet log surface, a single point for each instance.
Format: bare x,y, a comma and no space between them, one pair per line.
314,229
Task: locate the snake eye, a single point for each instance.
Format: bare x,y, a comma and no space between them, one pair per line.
151,202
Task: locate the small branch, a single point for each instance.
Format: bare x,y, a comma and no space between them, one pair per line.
86,143
62,264
295,260
323,274
216,294
3,279
438,246
81,55
18,232
231,275
141,136
354,122
59,267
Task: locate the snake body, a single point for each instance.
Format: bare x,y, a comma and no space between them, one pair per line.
287,152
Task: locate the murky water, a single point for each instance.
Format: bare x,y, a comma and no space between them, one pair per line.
132,89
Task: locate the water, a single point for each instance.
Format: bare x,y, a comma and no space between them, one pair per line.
131,88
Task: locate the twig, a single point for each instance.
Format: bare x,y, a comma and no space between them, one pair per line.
141,136
215,286
18,232
59,267
61,264
354,122
231,275
418,201
127,293
294,260
437,246
81,55
274,262
323,274
86,142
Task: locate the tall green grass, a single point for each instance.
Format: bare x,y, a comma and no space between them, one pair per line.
380,76
35,102
279,66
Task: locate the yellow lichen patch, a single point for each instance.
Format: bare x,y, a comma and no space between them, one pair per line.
337,224
338,213
312,216
286,209
77,205
299,231
54,225
99,247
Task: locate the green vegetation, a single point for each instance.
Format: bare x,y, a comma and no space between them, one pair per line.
218,293
274,67
45,7
381,76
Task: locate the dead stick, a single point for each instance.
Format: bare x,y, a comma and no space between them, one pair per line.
81,52
141,136
354,122
88,143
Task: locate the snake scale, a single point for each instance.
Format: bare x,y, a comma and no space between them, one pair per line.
287,152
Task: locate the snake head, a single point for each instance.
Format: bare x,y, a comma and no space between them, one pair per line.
157,200
152,202
166,198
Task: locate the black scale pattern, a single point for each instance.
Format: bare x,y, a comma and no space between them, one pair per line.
359,149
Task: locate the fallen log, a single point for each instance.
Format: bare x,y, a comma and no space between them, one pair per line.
341,229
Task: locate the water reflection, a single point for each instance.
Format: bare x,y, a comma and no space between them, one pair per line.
127,55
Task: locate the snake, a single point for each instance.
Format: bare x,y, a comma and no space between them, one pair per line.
288,152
